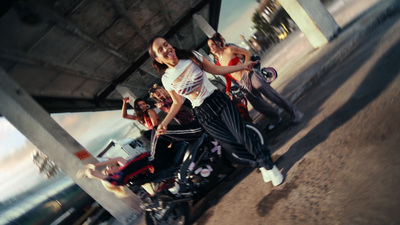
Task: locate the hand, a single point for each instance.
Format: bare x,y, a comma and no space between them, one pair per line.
250,64
90,166
161,129
229,95
81,174
158,104
89,173
126,100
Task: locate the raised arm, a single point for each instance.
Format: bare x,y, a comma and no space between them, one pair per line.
125,115
222,70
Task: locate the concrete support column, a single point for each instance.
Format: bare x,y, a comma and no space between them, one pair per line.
204,25
36,124
204,53
313,19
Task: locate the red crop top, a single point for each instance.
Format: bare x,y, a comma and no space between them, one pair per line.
228,77
148,122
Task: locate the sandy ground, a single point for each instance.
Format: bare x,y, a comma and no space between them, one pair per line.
342,163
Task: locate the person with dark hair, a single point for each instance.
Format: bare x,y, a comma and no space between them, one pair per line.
143,113
119,171
252,84
164,102
183,74
115,173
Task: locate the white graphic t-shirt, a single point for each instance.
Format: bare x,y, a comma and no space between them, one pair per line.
186,77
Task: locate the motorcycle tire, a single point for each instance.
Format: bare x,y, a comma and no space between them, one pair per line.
269,74
179,216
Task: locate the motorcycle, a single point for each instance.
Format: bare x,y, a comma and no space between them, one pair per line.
269,73
198,167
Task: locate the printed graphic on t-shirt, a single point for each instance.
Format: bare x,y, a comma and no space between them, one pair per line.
188,81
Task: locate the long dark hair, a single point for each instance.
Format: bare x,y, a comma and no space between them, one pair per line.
213,54
138,111
180,53
218,40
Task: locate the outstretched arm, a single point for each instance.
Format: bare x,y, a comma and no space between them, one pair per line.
94,174
125,115
241,51
121,161
222,70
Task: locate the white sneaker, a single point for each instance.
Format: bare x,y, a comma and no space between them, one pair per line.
265,175
298,116
275,176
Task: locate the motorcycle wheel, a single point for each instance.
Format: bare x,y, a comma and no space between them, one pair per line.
269,74
178,216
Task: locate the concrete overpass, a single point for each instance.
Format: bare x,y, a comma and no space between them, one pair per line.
76,56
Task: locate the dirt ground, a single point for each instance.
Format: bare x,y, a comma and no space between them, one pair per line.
342,163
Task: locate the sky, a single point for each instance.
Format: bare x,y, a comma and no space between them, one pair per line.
94,130
91,130
235,19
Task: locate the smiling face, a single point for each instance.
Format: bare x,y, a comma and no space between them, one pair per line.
212,46
159,94
164,52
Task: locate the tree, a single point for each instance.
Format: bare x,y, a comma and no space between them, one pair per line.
263,26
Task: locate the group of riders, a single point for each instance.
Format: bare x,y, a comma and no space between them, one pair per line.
184,83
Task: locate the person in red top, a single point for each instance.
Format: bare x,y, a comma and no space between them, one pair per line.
252,83
143,114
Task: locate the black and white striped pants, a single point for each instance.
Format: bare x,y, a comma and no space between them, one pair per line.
161,156
219,117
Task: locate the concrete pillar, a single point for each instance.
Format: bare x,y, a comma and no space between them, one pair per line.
204,25
36,124
204,53
313,19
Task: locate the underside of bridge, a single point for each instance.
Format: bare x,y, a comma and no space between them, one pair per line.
70,55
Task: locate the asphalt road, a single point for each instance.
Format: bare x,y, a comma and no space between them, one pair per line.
342,163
